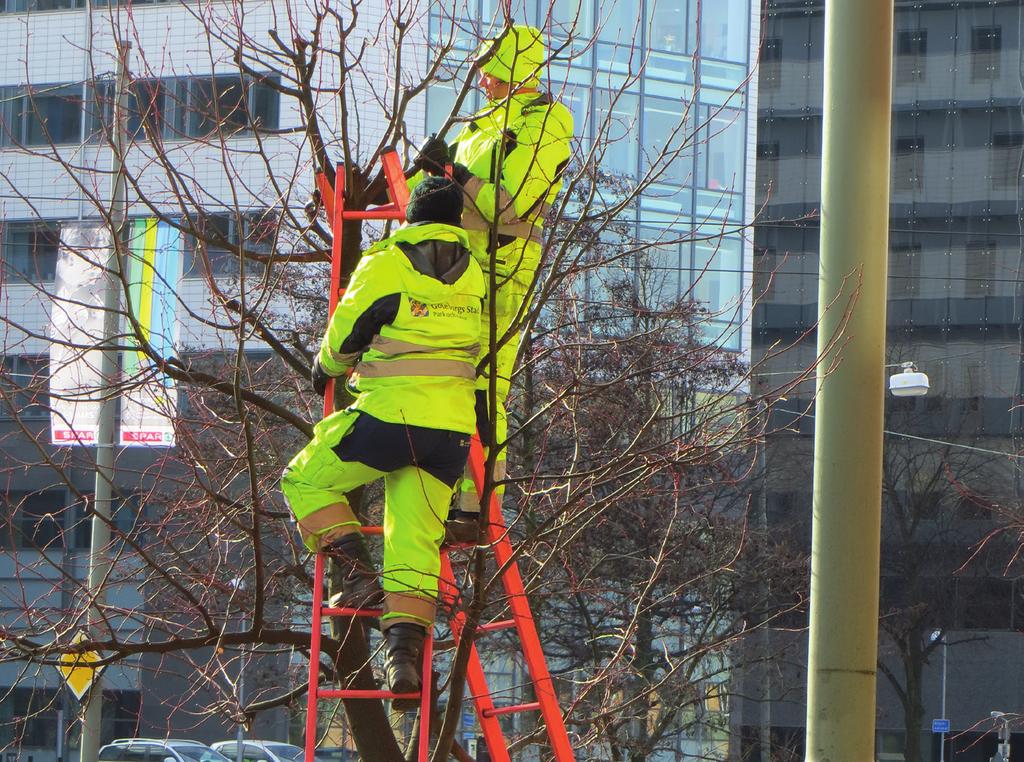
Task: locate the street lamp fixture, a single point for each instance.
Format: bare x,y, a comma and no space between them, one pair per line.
1003,749
909,382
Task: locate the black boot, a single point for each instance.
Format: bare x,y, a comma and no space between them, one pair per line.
402,663
360,587
462,528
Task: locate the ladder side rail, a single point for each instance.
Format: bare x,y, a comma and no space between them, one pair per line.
512,581
335,293
426,696
326,197
336,205
475,676
395,176
314,656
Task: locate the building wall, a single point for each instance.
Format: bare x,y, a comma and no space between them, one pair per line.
644,88
954,309
52,53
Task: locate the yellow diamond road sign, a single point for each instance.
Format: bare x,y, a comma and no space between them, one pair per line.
77,669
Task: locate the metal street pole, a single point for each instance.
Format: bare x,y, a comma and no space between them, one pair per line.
940,637
240,735
60,735
942,737
765,705
99,561
843,640
239,585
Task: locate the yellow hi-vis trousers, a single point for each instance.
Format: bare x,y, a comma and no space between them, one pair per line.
510,306
420,468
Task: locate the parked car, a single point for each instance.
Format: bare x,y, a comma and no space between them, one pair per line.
262,751
159,750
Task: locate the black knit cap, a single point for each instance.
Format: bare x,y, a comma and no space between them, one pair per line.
435,199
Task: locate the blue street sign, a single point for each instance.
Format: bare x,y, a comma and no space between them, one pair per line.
940,726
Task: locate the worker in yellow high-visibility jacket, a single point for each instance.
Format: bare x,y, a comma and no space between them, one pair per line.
408,328
509,159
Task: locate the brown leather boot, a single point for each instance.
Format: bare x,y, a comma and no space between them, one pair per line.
360,586
462,528
403,662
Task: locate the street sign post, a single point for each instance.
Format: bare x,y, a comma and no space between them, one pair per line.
78,670
940,726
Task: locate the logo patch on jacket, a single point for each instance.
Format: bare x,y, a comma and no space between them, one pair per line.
418,309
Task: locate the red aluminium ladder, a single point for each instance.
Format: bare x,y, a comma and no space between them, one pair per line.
333,200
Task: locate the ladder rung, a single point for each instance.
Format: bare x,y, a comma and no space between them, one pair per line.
499,710
374,214
501,624
353,693
328,611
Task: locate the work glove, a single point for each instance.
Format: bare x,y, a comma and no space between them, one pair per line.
461,174
433,156
319,378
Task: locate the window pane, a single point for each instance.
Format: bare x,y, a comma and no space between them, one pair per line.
146,104
1005,159
440,100
13,6
30,250
724,147
980,267
770,63
986,52
667,139
25,385
620,22
724,29
718,272
572,18
217,103
121,714
125,512
28,718
911,49
616,118
34,520
908,163
668,25
904,269
265,106
49,115
217,232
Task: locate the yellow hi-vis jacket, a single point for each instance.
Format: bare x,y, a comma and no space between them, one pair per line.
530,135
409,327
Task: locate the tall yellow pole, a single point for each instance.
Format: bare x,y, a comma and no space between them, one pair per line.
848,421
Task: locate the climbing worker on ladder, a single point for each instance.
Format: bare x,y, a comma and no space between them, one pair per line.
408,330
509,160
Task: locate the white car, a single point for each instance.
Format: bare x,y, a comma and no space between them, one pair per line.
261,751
158,750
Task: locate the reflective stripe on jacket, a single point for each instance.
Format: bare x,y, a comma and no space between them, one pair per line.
408,326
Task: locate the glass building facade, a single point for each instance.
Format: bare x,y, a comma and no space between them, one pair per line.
642,78
954,309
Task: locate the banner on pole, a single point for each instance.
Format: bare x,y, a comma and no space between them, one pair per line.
76,332
149,404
